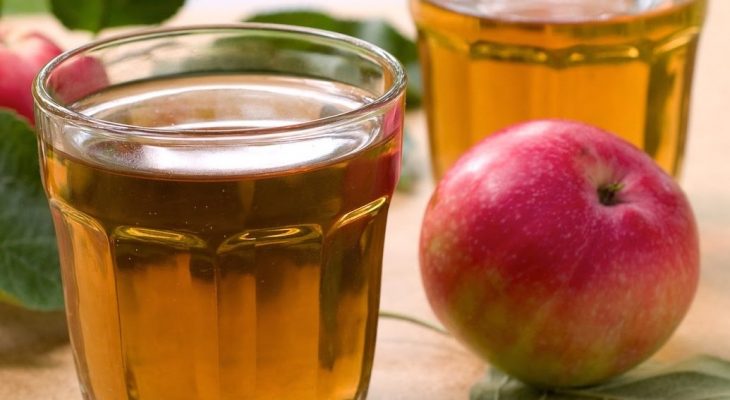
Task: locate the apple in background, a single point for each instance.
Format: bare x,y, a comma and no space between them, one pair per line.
21,57
78,77
560,253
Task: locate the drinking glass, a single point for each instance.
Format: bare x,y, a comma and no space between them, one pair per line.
220,195
623,65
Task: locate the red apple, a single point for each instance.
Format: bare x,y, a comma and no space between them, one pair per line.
560,253
78,77
21,57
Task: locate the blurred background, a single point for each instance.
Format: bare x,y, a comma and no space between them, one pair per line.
35,360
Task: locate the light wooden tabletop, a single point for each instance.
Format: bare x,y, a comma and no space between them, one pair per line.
412,362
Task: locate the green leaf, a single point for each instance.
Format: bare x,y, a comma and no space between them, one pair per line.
95,15
375,31
29,273
23,6
701,378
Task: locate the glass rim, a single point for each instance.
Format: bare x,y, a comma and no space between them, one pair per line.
45,102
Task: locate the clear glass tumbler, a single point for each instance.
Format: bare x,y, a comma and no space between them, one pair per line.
220,196
623,65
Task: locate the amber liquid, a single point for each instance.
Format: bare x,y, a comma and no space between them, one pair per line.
491,64
245,272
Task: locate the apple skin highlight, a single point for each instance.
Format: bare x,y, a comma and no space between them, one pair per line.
523,262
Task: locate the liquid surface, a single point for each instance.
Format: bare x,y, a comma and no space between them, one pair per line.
628,73
554,10
232,102
221,273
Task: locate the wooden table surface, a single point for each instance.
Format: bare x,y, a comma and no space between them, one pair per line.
415,363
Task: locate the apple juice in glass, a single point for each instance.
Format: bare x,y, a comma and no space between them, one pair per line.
220,198
623,65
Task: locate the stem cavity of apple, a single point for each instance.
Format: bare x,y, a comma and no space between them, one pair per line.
608,193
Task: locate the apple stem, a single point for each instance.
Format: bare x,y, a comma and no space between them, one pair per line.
608,194
413,320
